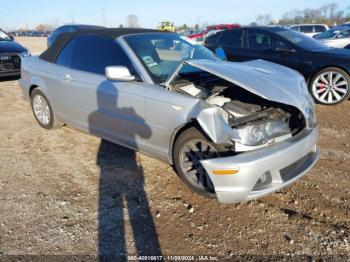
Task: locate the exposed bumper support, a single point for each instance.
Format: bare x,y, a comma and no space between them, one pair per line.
280,164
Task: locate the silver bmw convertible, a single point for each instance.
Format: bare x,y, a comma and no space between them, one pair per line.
234,131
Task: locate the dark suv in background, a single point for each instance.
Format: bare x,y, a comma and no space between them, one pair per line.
325,69
10,55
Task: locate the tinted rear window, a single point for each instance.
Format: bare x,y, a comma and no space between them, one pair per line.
232,38
306,28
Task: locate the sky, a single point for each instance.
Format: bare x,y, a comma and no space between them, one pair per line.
29,13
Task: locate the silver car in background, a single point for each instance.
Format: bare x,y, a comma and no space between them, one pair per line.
234,131
337,38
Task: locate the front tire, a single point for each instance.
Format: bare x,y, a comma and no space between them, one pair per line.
330,86
42,110
191,147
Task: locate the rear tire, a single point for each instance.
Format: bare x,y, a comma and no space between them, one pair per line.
191,147
330,86
42,110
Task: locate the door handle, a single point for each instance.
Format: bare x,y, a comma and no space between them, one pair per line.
68,78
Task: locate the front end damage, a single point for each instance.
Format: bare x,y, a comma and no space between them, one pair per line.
262,114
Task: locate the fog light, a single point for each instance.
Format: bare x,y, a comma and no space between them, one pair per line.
263,182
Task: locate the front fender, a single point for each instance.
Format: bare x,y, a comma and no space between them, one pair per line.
213,124
210,121
37,81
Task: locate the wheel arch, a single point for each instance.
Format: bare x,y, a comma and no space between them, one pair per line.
37,82
31,89
179,130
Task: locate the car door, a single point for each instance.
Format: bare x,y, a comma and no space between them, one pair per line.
231,41
109,109
264,45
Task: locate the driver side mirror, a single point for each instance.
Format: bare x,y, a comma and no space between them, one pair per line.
12,38
119,73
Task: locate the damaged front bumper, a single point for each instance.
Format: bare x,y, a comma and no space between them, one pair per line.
263,171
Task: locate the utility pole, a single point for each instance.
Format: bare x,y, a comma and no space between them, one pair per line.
72,18
199,18
104,17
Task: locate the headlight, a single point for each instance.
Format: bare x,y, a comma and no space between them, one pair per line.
260,133
25,54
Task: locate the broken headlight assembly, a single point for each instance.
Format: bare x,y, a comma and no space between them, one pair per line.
259,133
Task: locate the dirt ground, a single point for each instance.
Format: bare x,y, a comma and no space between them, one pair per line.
64,192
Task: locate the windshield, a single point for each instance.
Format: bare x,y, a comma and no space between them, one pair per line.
327,34
161,54
301,40
4,36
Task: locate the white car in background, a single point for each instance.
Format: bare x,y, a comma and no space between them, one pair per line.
338,38
310,29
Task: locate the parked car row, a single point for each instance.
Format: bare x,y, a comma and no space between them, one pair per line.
200,35
30,33
326,70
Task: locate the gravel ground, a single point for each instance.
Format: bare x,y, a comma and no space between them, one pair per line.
63,192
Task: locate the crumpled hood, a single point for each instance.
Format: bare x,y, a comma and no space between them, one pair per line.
265,79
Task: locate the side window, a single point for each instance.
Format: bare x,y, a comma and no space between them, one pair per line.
278,45
319,29
306,28
94,53
258,40
263,41
232,38
213,38
64,58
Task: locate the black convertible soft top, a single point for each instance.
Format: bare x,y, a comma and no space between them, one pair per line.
52,52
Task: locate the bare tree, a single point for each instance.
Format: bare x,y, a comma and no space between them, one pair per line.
132,21
326,14
264,19
44,27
